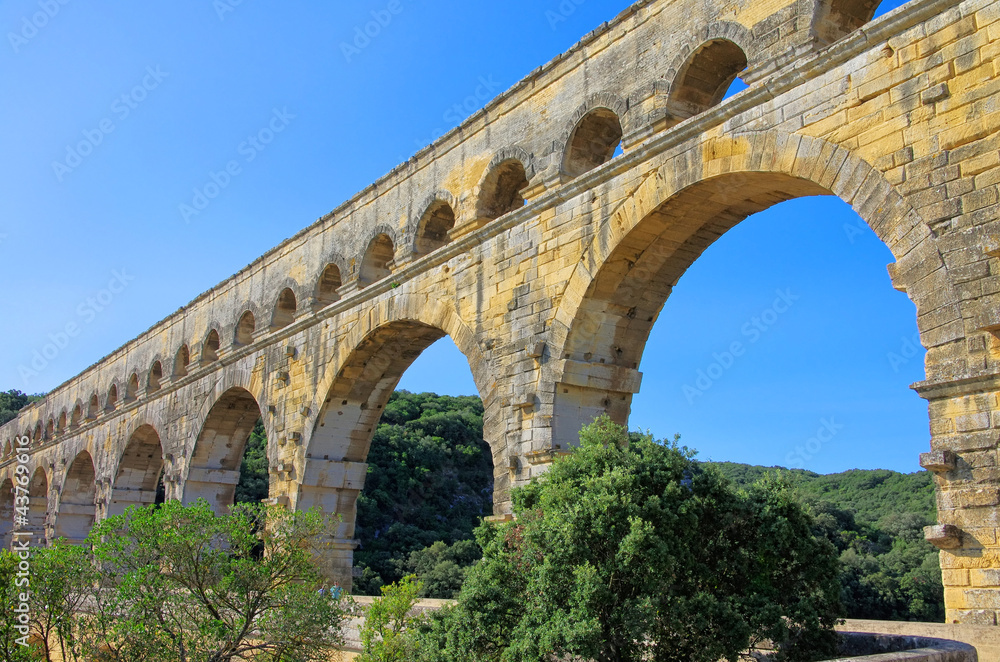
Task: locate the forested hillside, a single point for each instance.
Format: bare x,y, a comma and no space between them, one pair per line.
14,401
875,518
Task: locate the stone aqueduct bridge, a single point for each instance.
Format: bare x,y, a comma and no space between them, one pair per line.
547,261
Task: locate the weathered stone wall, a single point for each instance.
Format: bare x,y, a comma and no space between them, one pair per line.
547,261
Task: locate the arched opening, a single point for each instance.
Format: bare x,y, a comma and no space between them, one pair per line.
215,463
76,503
77,416
593,141
804,371
6,512
210,349
432,230
836,19
153,382
181,362
362,424
245,328
132,388
376,263
50,429
284,309
500,192
61,425
38,505
329,282
37,435
94,407
139,472
112,400
706,77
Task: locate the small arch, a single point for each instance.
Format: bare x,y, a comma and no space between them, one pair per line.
37,435
702,81
210,348
284,309
50,428
77,501
77,416
61,423
94,407
132,388
329,282
432,230
500,191
245,328
376,263
181,361
155,378
112,400
835,19
593,141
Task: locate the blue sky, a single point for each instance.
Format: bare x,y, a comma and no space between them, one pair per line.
168,92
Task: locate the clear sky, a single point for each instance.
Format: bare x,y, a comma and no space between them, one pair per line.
166,93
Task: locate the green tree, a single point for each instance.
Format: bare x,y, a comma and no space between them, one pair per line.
13,401
11,629
386,635
442,568
628,551
181,583
430,479
60,577
254,480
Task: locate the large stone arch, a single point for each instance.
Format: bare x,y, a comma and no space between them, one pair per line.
351,395
803,166
38,507
135,477
6,511
77,500
223,426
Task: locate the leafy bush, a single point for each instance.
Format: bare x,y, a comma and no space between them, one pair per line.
627,551
176,582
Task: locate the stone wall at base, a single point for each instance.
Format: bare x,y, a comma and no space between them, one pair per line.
985,639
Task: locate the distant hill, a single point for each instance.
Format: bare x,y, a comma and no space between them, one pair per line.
872,494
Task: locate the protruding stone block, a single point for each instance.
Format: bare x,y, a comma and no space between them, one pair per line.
938,461
943,536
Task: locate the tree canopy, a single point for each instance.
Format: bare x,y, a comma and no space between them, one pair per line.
627,551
